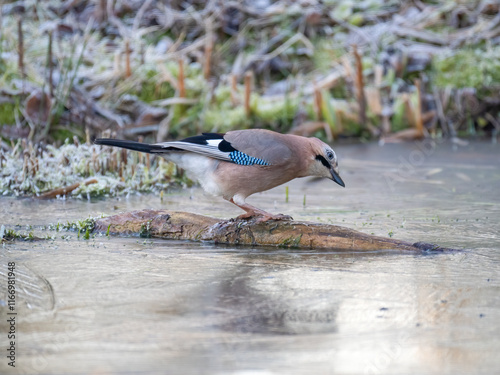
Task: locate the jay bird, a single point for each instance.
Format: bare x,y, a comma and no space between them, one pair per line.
240,163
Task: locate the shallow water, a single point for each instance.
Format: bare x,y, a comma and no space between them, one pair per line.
129,305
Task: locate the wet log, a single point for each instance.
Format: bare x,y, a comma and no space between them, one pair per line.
174,225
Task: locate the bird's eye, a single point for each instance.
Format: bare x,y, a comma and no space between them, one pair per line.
330,155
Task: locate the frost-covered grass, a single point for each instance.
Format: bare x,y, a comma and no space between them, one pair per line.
35,170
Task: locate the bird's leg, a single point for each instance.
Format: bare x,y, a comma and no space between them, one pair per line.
252,211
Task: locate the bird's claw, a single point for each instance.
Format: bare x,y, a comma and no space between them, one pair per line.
246,216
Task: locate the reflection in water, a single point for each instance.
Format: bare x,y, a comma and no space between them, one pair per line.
256,301
287,292
126,305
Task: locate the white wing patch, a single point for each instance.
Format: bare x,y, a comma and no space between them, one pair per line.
214,142
211,149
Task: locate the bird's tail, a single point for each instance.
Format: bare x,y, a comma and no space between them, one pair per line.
130,145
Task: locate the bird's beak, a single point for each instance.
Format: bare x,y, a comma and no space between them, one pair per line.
336,177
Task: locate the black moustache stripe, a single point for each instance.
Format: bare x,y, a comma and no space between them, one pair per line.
323,161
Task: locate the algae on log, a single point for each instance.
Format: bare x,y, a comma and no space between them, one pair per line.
302,235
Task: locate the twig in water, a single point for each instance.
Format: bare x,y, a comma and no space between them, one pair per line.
65,190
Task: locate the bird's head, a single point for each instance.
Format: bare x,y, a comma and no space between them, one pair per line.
324,163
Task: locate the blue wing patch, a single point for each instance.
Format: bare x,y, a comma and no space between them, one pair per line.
241,158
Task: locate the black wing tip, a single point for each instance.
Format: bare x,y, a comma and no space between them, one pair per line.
99,141
130,145
111,141
105,141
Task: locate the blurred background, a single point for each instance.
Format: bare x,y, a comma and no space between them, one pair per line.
151,70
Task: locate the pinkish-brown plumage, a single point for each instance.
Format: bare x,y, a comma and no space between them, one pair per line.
240,163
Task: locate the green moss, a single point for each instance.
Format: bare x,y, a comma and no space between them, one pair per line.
477,68
398,120
222,120
62,134
351,128
336,113
272,112
8,113
356,19
344,10
8,71
153,88
291,241
326,53
222,96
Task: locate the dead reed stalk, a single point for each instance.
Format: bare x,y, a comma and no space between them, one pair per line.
234,89
360,86
419,123
209,46
318,99
50,66
128,71
20,47
248,92
181,83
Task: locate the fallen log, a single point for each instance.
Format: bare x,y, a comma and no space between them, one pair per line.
174,225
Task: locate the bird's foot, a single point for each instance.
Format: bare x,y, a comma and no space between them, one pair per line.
260,218
257,214
246,216
280,217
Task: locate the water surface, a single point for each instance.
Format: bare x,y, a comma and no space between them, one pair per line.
129,305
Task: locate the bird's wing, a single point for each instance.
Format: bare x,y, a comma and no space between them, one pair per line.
263,144
206,144
244,147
